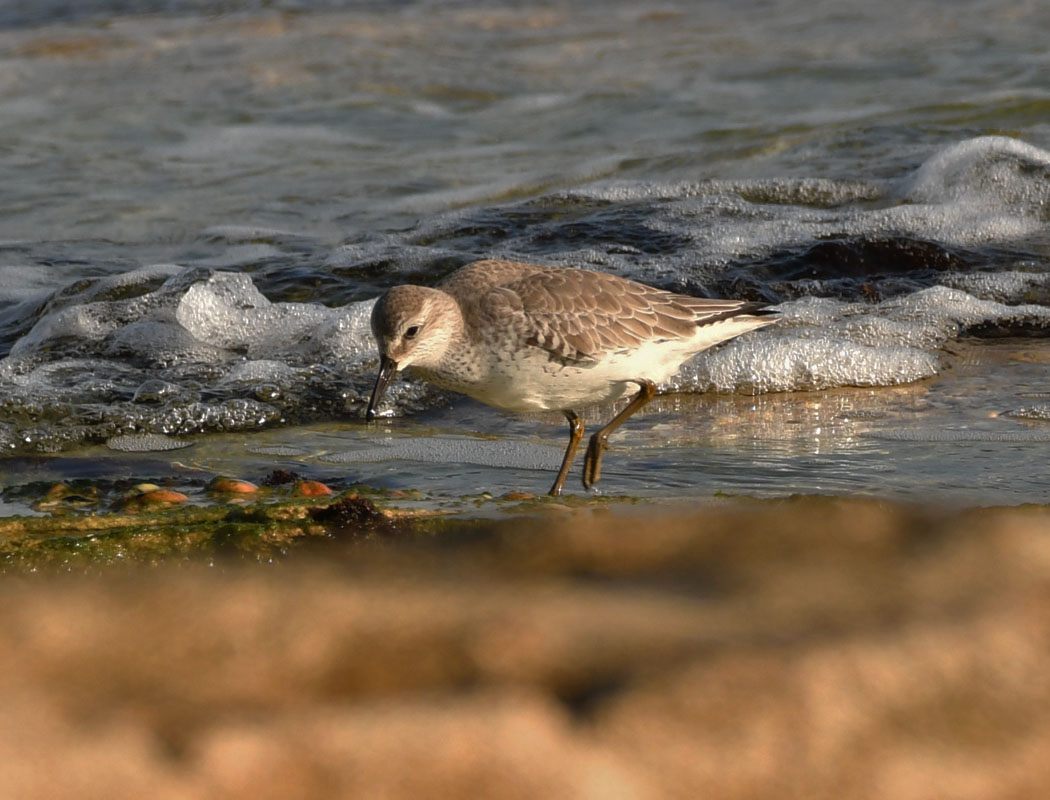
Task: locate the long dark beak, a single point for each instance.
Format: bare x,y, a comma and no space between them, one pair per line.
387,371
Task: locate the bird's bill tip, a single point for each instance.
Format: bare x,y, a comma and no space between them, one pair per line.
387,370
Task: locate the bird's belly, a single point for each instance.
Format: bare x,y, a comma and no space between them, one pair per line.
531,381
536,384
550,392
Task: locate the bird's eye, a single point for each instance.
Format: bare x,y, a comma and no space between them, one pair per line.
410,333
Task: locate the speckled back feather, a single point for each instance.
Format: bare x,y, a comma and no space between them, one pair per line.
578,315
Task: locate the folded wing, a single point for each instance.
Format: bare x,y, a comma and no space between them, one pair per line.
578,316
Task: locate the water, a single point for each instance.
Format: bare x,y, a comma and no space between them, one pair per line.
199,202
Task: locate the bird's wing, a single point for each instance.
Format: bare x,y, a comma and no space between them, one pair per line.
578,315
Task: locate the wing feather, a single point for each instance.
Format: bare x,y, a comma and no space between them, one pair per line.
578,315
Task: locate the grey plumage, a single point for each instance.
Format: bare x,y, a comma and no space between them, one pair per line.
525,337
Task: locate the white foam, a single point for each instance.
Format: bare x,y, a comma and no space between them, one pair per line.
161,341
1004,287
980,191
346,335
228,311
78,315
875,331
145,443
1040,412
823,343
260,370
223,318
953,309
987,170
784,363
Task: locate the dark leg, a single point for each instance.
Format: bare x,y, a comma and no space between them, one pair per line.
575,434
592,463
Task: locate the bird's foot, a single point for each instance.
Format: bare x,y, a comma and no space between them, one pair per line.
592,462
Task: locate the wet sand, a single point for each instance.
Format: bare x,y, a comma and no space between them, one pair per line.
808,647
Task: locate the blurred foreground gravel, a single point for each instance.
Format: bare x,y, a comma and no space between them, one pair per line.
810,648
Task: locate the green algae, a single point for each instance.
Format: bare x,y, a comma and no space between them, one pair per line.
93,525
260,531
268,529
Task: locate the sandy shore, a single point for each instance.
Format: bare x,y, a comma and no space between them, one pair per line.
808,648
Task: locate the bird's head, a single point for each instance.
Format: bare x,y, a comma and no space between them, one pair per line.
413,326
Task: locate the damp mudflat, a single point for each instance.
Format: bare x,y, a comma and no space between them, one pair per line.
199,208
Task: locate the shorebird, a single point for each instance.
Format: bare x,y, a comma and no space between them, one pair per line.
523,337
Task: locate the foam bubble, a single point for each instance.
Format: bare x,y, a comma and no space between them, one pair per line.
90,312
156,391
143,363
987,170
161,342
145,443
1004,287
791,363
823,343
1040,412
954,310
260,370
346,335
980,193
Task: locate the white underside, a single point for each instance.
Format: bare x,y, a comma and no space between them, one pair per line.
532,382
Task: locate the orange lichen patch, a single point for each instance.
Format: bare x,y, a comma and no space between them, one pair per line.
311,489
154,498
223,485
518,496
163,496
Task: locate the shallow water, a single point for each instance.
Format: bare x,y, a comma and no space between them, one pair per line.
976,434
197,208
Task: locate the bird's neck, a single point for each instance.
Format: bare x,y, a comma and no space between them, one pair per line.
458,365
